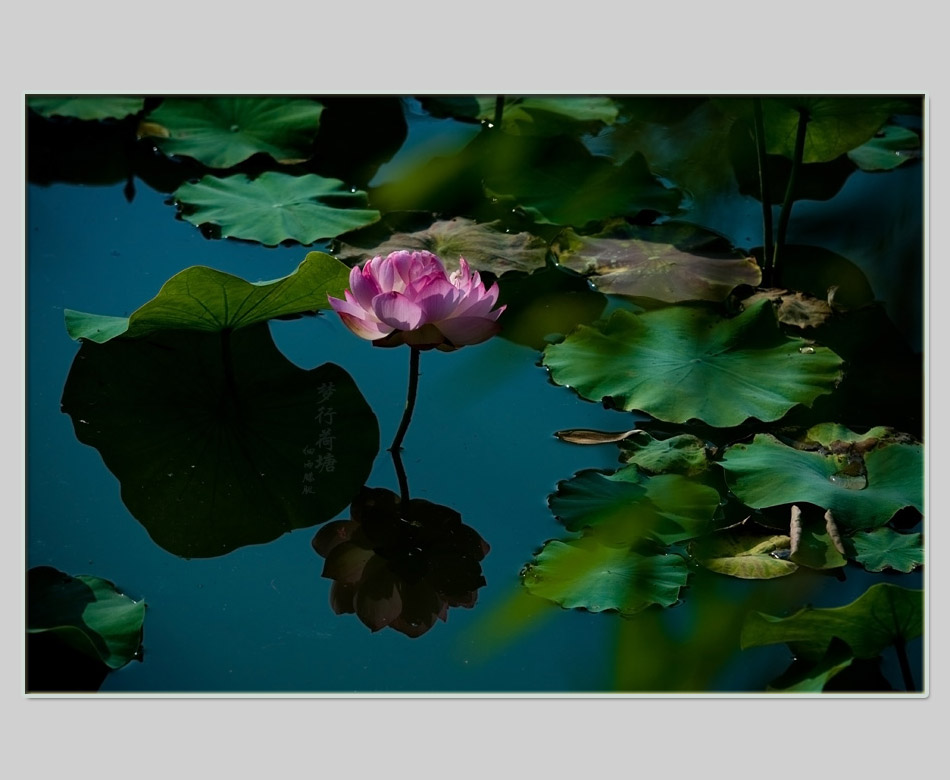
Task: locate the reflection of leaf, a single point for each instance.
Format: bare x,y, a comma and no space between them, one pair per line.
87,613
684,454
740,552
87,107
629,506
767,473
885,548
812,677
482,245
204,299
891,147
881,616
587,573
670,262
223,131
680,363
274,207
217,440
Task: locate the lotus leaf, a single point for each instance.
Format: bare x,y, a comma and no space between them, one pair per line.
223,131
891,147
204,299
274,207
883,615
85,612
628,506
484,246
217,440
805,677
669,262
683,454
87,107
768,473
741,552
884,548
533,115
682,363
590,574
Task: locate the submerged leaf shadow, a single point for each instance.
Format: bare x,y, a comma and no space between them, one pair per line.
217,440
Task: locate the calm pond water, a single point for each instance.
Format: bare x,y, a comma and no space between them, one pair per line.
259,619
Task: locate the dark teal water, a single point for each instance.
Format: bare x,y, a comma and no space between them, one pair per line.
481,441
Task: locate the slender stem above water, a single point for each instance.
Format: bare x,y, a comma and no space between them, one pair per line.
765,190
410,399
401,476
786,212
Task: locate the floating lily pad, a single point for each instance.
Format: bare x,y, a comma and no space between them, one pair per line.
85,612
885,548
741,552
683,454
86,107
794,308
275,207
890,147
628,506
670,262
224,131
204,299
682,363
217,440
484,246
838,438
767,473
586,573
881,616
532,115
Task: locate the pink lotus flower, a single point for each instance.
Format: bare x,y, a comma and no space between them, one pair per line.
408,298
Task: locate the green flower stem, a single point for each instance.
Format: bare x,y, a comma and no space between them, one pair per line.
764,191
786,212
906,673
410,399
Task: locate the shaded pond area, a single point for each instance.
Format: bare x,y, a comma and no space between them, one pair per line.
689,461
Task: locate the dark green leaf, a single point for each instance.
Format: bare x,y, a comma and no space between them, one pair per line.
223,131
217,440
881,616
767,473
275,207
85,612
891,147
684,454
587,573
204,299
885,548
724,371
86,107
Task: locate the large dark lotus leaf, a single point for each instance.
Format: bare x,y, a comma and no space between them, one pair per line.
559,182
597,576
217,440
767,473
671,262
484,246
85,612
223,131
740,552
86,107
836,124
682,363
274,207
884,548
204,299
881,616
889,148
629,506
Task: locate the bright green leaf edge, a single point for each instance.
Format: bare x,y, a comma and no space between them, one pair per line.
885,548
205,299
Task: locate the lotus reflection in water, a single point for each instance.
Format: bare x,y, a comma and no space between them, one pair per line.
400,564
